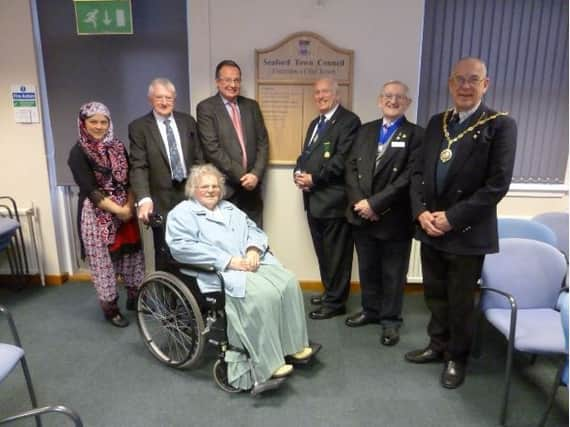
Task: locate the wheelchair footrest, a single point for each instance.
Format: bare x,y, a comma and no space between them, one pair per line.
270,384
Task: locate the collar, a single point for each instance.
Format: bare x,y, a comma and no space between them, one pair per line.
388,124
160,119
227,101
199,209
330,113
464,115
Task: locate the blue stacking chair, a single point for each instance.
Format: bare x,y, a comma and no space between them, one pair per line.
521,288
558,223
10,356
526,229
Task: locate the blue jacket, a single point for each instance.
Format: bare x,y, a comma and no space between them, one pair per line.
195,235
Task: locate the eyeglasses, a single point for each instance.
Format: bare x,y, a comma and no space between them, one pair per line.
391,96
208,187
471,81
228,81
165,99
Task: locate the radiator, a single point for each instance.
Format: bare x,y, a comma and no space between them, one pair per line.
415,267
31,233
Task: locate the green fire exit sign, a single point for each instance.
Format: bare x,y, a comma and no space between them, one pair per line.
93,17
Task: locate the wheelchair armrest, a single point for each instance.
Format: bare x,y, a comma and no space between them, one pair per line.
204,268
4,310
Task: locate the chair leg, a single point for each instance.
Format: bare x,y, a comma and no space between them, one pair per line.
30,389
552,394
508,374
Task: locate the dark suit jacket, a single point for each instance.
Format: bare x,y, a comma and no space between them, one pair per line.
150,173
220,141
325,160
478,178
387,186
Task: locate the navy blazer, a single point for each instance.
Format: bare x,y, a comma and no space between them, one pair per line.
478,178
325,160
386,186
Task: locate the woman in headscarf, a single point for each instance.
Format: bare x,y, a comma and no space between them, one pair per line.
108,228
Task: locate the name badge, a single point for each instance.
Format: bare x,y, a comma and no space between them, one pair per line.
398,144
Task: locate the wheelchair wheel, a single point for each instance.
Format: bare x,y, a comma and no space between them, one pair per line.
170,320
220,371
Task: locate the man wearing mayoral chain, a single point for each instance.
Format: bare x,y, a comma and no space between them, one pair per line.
462,171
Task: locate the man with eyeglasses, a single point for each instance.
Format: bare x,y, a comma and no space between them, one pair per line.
234,138
462,171
319,174
164,146
377,185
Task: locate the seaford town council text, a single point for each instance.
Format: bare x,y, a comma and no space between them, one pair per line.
303,63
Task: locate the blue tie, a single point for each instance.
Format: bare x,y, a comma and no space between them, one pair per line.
320,127
175,162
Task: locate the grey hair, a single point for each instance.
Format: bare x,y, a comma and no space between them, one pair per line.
196,174
470,58
161,81
396,82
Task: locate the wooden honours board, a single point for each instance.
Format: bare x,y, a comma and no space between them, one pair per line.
285,74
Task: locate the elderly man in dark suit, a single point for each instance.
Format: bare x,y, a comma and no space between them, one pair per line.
234,139
163,147
377,184
319,173
463,170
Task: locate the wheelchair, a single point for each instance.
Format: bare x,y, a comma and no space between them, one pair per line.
176,320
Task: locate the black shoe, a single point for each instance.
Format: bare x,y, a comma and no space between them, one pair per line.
453,374
360,319
118,320
325,312
131,304
390,336
317,299
425,355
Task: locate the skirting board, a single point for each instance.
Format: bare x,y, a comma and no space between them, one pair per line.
33,280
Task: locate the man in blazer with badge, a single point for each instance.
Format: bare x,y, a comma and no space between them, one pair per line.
377,185
319,174
234,138
463,170
163,147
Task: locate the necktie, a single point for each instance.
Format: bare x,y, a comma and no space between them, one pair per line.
175,161
384,136
236,120
320,127
453,123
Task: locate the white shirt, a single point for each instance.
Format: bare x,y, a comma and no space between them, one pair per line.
162,129
464,115
327,119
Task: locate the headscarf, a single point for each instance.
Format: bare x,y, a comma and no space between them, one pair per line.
108,160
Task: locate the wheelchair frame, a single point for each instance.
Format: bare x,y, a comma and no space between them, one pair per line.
175,318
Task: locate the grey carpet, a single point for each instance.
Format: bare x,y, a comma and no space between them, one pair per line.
109,377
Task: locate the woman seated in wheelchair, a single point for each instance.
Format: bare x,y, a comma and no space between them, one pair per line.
264,304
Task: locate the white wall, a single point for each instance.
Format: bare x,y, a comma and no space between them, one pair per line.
23,166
